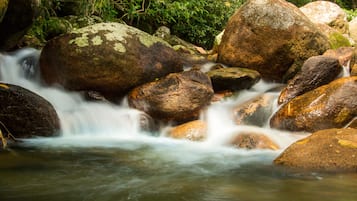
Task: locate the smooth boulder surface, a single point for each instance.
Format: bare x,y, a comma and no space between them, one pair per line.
330,106
271,36
26,114
253,141
110,58
178,97
315,72
325,150
326,12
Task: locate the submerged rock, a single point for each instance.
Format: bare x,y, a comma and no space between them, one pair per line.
193,130
110,58
253,141
271,36
329,106
325,150
315,72
233,78
25,114
178,97
256,111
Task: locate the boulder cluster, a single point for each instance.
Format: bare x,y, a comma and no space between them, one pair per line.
309,50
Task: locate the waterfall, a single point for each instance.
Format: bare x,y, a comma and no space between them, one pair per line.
90,123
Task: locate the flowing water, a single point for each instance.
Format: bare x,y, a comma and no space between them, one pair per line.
102,155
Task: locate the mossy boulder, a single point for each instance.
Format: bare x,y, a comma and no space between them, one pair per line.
271,36
178,97
110,58
330,106
25,114
315,72
325,150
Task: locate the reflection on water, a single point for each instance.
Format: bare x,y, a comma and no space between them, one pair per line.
112,174
102,155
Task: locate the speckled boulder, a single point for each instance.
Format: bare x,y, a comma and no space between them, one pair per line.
110,58
325,150
271,36
330,106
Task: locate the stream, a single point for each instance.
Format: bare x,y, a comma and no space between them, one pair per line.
102,155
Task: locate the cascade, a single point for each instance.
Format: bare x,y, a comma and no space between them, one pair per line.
87,123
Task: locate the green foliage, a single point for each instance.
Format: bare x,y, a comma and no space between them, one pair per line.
196,21
351,14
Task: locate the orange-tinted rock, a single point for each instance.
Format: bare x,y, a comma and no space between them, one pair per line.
329,106
325,150
253,141
193,130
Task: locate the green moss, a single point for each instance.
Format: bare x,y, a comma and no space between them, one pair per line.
338,40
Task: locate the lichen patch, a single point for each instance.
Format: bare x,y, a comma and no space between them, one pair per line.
81,41
97,40
119,47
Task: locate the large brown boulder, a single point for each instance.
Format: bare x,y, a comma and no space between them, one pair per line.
271,36
329,106
26,114
110,58
325,150
18,18
315,72
178,97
